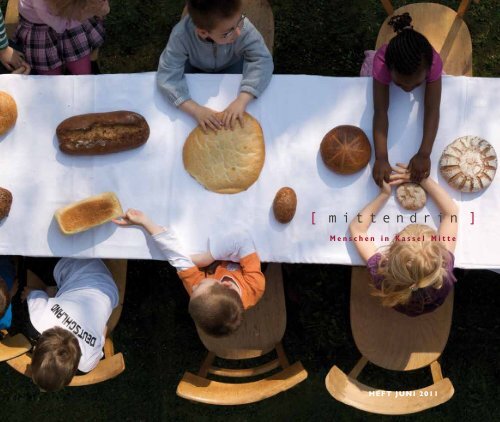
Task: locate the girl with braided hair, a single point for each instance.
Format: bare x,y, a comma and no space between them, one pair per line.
408,60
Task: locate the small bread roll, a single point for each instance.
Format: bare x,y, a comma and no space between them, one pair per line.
284,205
8,112
411,196
469,164
5,203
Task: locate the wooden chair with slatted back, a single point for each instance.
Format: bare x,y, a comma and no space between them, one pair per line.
12,19
112,364
443,27
394,341
261,15
261,332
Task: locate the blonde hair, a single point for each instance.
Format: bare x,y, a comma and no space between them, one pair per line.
218,312
70,9
414,263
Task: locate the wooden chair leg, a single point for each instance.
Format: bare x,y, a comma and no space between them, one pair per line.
282,356
207,363
358,367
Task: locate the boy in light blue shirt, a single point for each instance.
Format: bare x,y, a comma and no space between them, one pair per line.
214,37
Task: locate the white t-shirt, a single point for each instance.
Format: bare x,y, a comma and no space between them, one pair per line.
83,304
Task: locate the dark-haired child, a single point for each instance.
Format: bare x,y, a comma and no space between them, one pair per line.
8,288
214,37
71,320
218,298
409,61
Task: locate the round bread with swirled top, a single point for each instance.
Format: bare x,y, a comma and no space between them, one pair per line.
226,161
469,164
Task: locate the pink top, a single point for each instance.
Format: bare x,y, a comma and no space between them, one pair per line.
382,73
37,11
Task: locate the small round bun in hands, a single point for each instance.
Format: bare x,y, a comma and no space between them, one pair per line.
285,205
226,161
411,196
345,149
8,112
5,203
469,164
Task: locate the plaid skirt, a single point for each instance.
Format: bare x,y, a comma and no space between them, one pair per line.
45,49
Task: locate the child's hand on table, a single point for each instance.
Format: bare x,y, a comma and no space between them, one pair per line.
235,111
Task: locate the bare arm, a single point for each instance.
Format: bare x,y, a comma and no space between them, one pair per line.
420,164
448,227
381,168
360,224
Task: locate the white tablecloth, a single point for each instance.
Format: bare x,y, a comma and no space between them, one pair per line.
295,112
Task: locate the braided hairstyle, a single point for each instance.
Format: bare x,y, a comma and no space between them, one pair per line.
408,48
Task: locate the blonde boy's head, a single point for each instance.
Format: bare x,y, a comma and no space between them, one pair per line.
207,14
216,309
411,265
55,359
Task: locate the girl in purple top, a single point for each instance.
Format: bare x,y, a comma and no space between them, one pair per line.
408,60
57,33
414,274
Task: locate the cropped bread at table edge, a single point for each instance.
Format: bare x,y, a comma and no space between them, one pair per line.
102,133
90,212
5,203
8,112
226,161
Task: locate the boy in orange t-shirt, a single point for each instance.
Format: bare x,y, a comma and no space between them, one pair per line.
218,300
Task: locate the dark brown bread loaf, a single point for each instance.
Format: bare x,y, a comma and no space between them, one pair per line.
284,205
102,133
345,149
5,203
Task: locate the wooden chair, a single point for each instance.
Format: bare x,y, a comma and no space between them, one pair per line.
261,15
261,332
397,342
12,19
113,364
443,27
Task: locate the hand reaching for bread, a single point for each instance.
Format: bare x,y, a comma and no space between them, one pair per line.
135,217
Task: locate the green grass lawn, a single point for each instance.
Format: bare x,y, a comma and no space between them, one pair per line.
155,333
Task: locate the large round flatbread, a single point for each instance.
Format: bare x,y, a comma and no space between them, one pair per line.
411,196
226,161
469,164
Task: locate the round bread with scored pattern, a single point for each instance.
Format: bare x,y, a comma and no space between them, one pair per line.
226,161
469,164
8,112
345,149
411,196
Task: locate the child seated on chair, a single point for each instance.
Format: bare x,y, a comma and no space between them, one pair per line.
216,301
60,33
409,61
8,289
414,274
72,320
214,37
11,61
